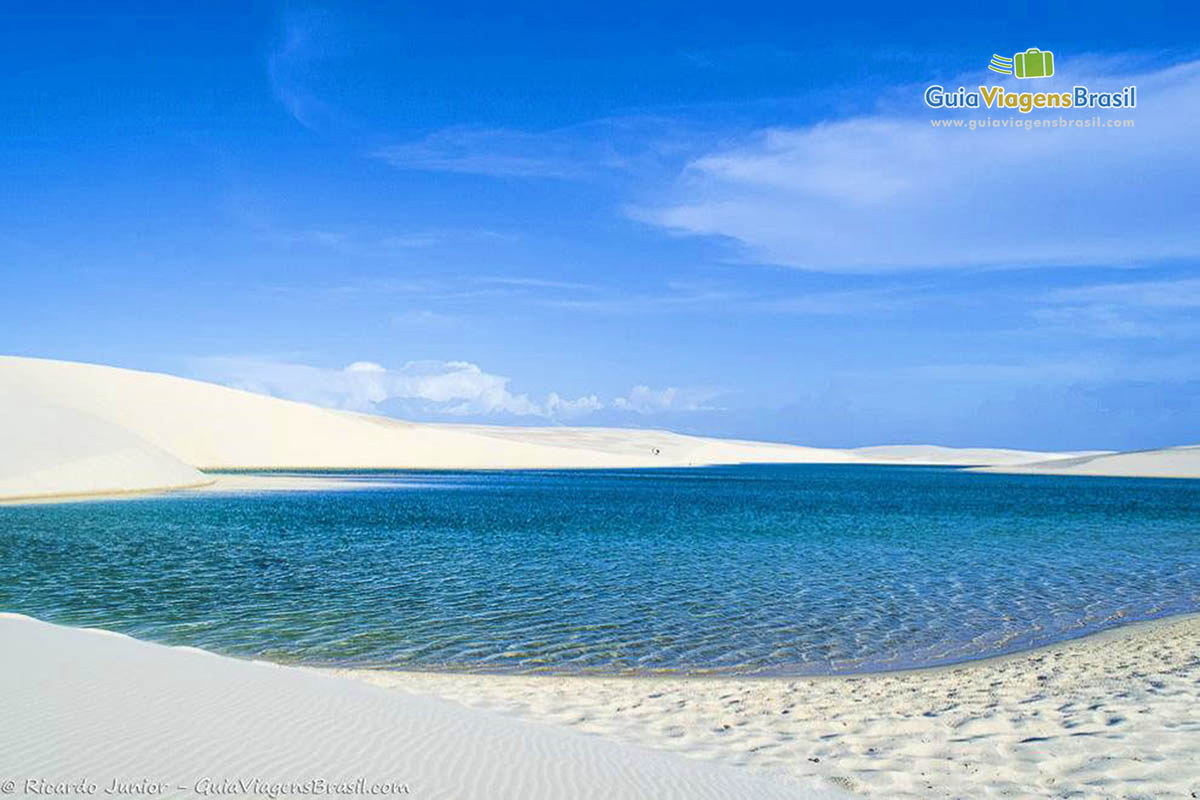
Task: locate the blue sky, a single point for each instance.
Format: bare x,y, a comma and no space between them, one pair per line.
729,219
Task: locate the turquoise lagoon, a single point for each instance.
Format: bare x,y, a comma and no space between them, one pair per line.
772,570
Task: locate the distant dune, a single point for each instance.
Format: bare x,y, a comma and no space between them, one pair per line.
71,428
936,454
1169,462
214,427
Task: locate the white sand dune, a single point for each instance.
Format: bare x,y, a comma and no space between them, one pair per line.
49,450
932,454
1168,462
689,450
91,706
75,428
215,427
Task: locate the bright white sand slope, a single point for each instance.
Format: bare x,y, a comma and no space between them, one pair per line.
1169,462
50,450
83,429
689,450
932,454
211,426
89,705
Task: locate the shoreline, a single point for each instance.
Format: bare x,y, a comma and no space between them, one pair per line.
1106,714
241,481
1090,639
1116,633
101,495
86,707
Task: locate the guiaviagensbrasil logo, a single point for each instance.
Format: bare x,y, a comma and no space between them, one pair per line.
1033,63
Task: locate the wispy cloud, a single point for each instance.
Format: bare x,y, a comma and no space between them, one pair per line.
301,45
890,192
382,244
490,151
424,319
1178,293
1095,368
642,147
453,291
1124,310
537,283
737,298
873,193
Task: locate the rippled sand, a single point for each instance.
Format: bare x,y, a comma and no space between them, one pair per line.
1112,715
89,713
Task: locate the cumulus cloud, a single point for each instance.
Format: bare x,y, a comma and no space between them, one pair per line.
450,388
557,406
890,191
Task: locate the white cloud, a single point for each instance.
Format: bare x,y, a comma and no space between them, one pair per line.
891,192
365,366
450,388
560,407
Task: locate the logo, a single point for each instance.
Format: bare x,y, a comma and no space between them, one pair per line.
1033,63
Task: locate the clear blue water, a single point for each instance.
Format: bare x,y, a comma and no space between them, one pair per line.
750,569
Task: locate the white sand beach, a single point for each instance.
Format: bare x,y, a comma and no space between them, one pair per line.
1113,715
90,707
1108,716
74,429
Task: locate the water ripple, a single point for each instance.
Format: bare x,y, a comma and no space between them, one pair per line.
755,569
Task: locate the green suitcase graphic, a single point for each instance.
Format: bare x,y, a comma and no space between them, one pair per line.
1034,63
